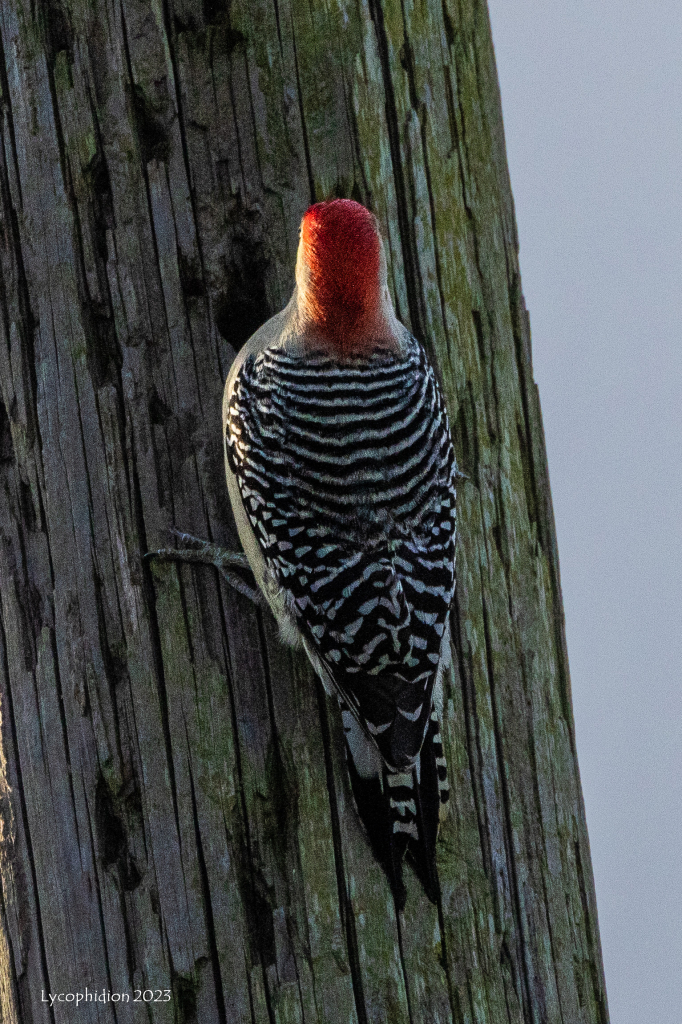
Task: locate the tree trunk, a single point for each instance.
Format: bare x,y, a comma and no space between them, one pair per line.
176,816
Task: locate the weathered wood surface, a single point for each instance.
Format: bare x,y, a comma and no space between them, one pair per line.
174,809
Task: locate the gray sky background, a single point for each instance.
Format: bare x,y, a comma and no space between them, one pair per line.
592,100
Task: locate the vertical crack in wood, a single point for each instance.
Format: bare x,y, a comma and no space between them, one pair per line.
241,791
453,994
65,734
519,917
268,998
275,4
25,823
345,905
7,99
144,171
420,110
548,917
475,755
364,193
208,906
413,282
538,810
98,894
403,965
182,130
157,647
286,801
301,110
540,488
515,301
250,867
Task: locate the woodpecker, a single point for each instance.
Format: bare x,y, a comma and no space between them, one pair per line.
342,478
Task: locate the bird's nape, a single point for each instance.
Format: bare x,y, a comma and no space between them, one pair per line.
339,272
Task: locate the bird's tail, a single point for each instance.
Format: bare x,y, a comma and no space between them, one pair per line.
400,811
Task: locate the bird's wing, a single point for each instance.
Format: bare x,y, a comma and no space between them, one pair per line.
346,475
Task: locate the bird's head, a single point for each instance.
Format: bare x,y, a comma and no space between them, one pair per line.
342,292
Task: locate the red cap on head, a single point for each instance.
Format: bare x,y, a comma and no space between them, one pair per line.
340,244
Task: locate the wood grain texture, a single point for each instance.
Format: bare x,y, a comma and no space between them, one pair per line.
174,808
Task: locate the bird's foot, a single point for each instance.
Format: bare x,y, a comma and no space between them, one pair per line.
204,552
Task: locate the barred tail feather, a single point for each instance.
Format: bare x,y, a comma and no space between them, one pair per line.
399,810
432,793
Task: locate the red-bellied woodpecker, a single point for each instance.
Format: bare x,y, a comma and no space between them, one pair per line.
341,474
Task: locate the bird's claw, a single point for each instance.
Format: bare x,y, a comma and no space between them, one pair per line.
205,553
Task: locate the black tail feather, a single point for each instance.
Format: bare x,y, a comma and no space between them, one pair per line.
373,809
400,813
421,853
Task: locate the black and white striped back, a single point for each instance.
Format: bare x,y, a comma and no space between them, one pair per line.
347,474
